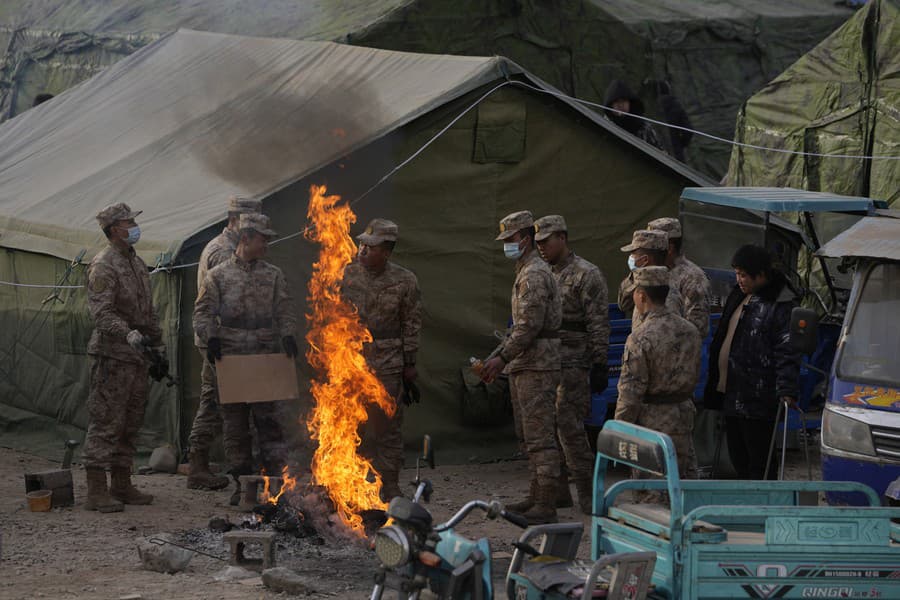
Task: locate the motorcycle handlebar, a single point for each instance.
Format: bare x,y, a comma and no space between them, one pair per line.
493,509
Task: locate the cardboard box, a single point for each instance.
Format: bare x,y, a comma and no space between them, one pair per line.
256,378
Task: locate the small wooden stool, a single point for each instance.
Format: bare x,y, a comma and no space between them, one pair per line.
238,541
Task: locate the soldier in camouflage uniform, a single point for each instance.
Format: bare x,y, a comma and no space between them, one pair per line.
584,343
647,248
686,277
660,366
208,421
244,307
531,357
125,323
388,299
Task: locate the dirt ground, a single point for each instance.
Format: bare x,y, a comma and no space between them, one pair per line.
73,553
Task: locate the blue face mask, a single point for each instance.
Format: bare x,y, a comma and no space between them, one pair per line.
632,264
512,250
134,234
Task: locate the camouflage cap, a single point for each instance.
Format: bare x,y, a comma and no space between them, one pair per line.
116,212
651,276
379,231
547,226
644,239
257,222
670,225
239,204
512,223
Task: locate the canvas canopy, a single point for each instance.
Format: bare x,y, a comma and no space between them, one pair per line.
714,55
841,98
178,126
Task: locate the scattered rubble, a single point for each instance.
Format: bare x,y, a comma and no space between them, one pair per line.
282,579
163,558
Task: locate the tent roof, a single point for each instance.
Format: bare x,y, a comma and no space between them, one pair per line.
777,199
629,11
181,124
870,237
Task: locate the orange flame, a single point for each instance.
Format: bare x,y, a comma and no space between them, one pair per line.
345,385
288,484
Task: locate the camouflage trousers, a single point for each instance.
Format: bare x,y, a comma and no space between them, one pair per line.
238,443
207,422
533,396
382,436
116,404
676,421
573,405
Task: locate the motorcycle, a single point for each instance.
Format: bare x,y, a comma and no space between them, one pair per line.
423,561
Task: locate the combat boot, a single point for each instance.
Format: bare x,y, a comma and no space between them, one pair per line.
527,503
199,476
584,487
390,486
563,493
122,490
98,497
543,510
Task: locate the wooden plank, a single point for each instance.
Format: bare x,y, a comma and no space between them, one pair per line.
256,378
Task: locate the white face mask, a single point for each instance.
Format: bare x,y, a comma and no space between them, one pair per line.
134,234
512,250
632,264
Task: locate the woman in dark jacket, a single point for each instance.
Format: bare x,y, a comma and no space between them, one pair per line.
752,365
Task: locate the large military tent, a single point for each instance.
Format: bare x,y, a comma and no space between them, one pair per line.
841,98
713,54
184,122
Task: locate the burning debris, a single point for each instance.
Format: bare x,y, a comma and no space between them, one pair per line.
345,386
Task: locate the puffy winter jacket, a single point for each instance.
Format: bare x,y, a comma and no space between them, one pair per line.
762,364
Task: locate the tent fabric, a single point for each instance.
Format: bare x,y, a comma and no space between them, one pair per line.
843,97
273,137
154,140
714,55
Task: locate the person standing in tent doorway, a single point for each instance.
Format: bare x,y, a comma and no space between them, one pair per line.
647,249
660,367
584,343
125,325
388,299
686,277
244,307
208,421
623,108
531,356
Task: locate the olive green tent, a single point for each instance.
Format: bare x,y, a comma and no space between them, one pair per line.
182,123
714,55
841,98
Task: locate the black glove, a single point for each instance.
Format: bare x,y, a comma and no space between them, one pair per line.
411,394
290,346
159,369
599,378
213,350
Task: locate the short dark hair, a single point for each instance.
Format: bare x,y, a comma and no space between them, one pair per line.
389,245
753,260
677,243
657,293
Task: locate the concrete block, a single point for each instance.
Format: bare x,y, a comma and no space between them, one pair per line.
238,540
58,481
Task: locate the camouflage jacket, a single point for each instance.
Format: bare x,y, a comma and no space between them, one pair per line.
693,287
389,305
660,364
674,301
246,305
119,299
218,250
533,340
584,334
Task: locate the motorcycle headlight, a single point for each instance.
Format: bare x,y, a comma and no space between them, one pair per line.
392,546
843,433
